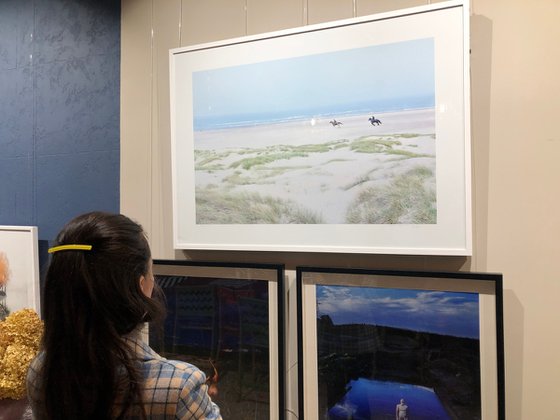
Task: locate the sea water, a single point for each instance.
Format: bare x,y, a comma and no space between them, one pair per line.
368,399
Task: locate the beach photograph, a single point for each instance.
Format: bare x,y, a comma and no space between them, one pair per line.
344,137
378,348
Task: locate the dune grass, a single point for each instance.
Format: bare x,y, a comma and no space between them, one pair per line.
372,144
406,199
205,157
259,160
358,181
271,154
406,135
376,144
214,206
209,160
261,175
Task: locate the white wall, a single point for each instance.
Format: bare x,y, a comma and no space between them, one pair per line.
515,64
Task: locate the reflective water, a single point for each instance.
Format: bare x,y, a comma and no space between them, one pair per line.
368,399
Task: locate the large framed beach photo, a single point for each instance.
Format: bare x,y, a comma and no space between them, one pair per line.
227,319
19,269
351,136
374,344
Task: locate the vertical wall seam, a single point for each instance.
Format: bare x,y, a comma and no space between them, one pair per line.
246,18
34,213
180,23
151,127
154,136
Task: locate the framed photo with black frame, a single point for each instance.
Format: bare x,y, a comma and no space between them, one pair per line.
377,344
350,136
227,319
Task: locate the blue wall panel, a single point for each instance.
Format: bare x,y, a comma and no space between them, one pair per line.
16,112
16,186
80,182
77,106
69,29
59,110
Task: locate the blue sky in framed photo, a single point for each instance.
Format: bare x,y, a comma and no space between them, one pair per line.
448,313
387,77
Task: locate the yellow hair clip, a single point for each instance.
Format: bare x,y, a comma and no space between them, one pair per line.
69,248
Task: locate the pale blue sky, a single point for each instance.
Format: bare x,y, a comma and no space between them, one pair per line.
371,74
449,313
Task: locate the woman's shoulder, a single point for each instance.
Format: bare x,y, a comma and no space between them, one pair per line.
179,366
174,371
160,372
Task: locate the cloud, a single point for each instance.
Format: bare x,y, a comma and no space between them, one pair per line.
444,312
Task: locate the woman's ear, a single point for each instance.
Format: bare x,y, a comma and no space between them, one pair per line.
142,283
147,285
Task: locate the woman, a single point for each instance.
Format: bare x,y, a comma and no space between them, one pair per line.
93,363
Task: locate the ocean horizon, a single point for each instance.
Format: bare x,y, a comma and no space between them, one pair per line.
218,122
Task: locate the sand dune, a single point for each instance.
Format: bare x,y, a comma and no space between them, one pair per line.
325,180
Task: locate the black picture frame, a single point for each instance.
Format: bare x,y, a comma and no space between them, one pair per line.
228,320
436,337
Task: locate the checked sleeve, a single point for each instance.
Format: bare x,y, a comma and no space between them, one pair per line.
194,402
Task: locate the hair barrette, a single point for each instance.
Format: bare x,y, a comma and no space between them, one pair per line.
71,247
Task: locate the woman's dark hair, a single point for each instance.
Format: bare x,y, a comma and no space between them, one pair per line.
91,300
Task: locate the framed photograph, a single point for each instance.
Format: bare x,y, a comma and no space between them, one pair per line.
19,269
396,344
227,319
351,136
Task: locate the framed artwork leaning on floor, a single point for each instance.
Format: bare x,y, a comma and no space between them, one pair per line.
227,319
379,344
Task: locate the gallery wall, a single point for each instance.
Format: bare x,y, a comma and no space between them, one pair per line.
515,91
59,110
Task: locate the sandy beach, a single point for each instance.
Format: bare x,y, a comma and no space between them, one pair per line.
313,172
317,130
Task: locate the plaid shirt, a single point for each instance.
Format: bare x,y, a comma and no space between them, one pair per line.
172,389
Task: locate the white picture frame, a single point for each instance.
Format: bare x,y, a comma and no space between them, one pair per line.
19,246
218,183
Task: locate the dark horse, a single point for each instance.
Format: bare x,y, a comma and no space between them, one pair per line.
335,123
374,121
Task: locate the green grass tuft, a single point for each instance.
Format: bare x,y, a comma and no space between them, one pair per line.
406,199
373,144
218,207
248,163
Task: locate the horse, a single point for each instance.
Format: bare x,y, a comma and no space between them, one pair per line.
374,121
